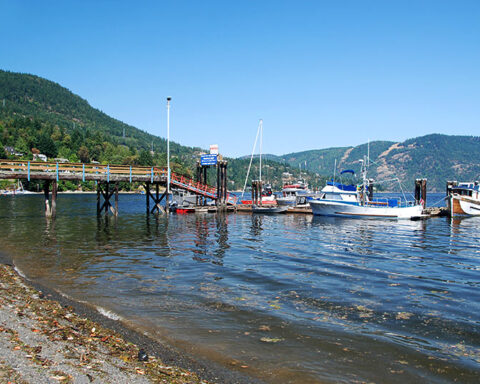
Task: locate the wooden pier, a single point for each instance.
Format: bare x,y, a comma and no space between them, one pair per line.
107,178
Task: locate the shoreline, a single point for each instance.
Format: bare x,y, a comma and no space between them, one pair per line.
165,363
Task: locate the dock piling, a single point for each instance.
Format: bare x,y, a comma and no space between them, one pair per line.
421,192
50,206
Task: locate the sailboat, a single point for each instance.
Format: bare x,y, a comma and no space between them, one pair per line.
269,209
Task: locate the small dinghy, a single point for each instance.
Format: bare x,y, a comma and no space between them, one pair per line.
268,210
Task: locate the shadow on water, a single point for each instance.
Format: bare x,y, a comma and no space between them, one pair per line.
289,298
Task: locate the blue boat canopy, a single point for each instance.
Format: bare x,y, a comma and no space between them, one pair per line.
342,187
348,171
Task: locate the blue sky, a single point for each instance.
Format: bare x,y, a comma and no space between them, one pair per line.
319,73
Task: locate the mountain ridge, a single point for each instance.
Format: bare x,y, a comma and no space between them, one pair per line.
437,157
40,114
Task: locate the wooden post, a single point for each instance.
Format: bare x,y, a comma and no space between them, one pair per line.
116,199
54,198
46,192
98,198
219,184
225,183
157,196
424,192
260,193
253,192
147,194
417,191
106,197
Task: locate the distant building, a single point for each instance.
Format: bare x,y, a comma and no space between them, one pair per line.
61,160
12,152
39,157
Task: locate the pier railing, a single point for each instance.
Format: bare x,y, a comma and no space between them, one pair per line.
38,170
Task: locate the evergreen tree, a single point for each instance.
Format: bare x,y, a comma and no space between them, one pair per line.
83,154
145,158
47,146
3,154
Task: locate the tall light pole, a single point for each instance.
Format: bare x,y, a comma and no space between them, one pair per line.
168,151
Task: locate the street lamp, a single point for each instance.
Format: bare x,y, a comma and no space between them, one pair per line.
168,149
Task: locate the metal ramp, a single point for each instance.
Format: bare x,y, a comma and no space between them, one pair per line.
198,188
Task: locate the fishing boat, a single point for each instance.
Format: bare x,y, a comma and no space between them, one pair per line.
294,195
463,199
182,199
337,199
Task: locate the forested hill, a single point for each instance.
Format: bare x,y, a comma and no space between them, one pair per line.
437,157
43,110
38,115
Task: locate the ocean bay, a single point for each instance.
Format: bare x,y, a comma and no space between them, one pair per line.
284,298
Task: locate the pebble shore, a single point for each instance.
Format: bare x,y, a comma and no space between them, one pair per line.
42,341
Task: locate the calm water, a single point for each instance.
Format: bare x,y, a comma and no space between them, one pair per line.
287,298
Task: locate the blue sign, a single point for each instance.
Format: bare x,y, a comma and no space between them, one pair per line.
208,160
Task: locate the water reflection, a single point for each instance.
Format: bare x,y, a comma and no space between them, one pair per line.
256,228
294,298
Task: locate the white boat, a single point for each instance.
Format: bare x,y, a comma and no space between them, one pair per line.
463,199
294,194
182,199
342,200
17,191
269,209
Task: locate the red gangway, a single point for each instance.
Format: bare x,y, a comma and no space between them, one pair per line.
198,188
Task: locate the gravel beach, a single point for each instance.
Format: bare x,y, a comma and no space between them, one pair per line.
46,338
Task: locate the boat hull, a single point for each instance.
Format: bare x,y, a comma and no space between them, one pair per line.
269,210
340,209
286,201
463,206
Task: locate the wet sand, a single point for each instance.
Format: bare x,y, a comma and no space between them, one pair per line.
45,337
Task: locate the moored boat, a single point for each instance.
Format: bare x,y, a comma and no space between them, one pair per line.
269,209
294,194
463,199
342,200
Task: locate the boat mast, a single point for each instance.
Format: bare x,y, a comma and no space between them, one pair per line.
260,127
365,181
251,159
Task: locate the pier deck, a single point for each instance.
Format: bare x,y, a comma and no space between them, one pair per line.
52,173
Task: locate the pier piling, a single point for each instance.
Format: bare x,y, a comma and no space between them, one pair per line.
421,192
50,204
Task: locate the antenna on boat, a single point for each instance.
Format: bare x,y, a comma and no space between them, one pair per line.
368,153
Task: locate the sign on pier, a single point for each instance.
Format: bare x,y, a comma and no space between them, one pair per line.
208,160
